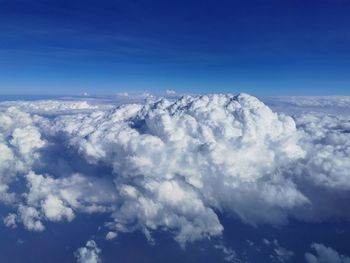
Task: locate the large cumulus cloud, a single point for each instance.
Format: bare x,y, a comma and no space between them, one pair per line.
172,164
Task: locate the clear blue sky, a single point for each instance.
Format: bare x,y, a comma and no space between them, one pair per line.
263,47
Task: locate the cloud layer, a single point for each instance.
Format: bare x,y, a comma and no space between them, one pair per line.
172,165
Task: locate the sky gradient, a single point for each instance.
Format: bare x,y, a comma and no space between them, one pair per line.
262,47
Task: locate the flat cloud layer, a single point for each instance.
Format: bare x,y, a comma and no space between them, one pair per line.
173,165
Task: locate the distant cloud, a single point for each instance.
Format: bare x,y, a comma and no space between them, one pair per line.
325,255
278,253
170,92
282,254
314,102
122,94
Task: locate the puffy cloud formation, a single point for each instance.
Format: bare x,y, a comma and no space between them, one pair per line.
323,173
177,162
325,255
327,140
171,164
88,254
20,140
30,217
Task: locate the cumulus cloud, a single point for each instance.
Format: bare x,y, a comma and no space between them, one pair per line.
175,162
57,199
325,254
88,254
20,141
30,217
172,164
327,140
323,173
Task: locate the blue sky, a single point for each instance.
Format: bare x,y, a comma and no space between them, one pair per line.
263,47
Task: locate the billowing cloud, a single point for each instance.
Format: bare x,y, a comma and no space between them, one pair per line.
20,140
175,162
171,165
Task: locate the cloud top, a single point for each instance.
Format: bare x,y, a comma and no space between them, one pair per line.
173,165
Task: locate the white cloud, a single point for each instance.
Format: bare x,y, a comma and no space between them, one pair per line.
27,140
30,217
325,255
315,101
283,254
170,92
122,94
48,106
229,254
58,198
327,139
111,235
55,210
172,165
10,220
191,156
279,253
88,254
20,141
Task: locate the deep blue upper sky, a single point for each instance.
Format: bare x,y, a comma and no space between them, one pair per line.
263,47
